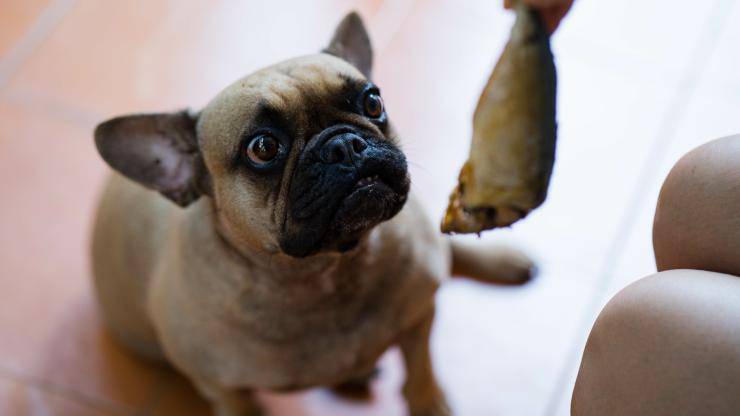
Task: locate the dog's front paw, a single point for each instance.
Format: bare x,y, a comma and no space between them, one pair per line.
436,407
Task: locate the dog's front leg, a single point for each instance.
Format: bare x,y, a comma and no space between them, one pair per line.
229,402
422,393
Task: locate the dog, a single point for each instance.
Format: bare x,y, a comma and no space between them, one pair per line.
269,241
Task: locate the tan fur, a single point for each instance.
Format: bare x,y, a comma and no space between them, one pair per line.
207,288
258,321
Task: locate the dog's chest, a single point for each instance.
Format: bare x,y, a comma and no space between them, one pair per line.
294,308
328,328
290,331
268,327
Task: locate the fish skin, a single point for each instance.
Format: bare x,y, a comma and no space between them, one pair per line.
514,135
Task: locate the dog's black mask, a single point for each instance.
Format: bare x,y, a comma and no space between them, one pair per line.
346,181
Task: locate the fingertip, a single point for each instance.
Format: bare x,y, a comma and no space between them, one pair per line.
551,22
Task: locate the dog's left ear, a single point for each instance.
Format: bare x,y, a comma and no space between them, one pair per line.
352,43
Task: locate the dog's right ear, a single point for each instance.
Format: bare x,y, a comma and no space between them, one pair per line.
352,43
160,151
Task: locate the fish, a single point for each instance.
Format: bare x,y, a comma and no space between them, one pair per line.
512,151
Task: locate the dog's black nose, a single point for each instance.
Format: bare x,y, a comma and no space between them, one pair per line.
345,148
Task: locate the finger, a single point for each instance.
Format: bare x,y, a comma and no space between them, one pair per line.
551,23
552,16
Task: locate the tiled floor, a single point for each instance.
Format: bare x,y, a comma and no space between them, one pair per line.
641,82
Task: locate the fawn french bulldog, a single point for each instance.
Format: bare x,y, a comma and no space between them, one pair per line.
282,249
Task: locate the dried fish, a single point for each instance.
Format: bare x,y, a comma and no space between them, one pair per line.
514,132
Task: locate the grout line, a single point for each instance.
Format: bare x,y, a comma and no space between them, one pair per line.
686,89
34,36
74,396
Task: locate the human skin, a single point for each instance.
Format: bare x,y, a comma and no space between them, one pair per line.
669,344
551,11
697,221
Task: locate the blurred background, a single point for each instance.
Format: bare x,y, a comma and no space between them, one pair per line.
640,83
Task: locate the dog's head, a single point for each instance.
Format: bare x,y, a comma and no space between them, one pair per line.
298,157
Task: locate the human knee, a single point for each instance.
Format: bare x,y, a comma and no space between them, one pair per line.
666,344
697,220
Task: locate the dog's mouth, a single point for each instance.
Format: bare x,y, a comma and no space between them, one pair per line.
365,203
367,181
369,185
334,203
369,201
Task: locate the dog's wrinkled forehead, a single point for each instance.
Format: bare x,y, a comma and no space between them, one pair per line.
303,87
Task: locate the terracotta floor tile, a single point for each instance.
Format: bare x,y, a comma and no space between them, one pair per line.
49,327
17,399
118,57
17,18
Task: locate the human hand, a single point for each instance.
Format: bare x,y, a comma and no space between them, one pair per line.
551,11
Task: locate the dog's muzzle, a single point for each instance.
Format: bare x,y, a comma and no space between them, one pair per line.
345,182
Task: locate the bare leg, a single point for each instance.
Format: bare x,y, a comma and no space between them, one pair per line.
697,221
668,344
229,402
422,393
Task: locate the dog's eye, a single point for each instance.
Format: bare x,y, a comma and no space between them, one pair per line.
373,105
262,149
